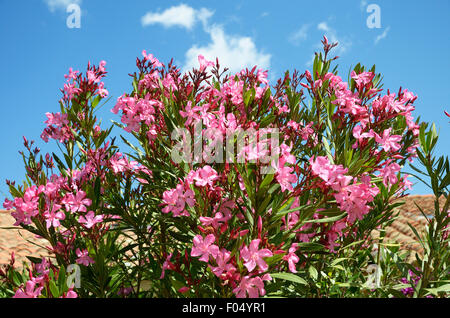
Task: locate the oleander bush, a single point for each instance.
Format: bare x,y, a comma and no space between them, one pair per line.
230,187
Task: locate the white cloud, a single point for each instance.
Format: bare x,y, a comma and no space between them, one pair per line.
181,15
382,35
331,34
60,4
299,35
233,51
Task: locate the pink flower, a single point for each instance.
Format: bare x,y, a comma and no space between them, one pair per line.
333,175
204,63
176,200
30,290
389,173
203,176
92,77
190,113
72,75
253,256
363,78
121,164
70,294
292,258
204,247
166,265
53,217
223,265
388,142
90,219
152,59
285,177
361,136
83,257
253,286
76,203
101,66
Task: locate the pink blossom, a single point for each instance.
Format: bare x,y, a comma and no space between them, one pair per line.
204,63
152,59
388,142
90,219
101,66
389,173
166,265
253,256
223,263
30,290
76,203
333,175
53,217
292,258
253,286
83,257
176,200
72,75
362,79
190,113
285,177
204,247
203,176
70,294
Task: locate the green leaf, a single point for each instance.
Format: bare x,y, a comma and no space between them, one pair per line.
442,289
328,220
289,277
313,273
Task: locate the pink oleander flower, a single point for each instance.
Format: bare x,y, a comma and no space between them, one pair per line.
389,173
121,164
90,219
360,136
190,113
388,142
56,119
176,200
43,267
204,247
284,175
166,265
223,263
254,257
354,199
101,66
30,290
204,63
53,217
333,175
292,258
76,203
72,75
152,59
83,257
251,286
363,78
203,176
70,294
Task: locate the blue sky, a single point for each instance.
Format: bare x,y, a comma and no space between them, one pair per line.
411,49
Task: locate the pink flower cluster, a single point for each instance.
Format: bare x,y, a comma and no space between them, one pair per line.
352,198
36,284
